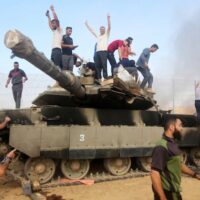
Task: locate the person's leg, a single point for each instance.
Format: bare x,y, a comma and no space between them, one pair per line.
97,65
112,61
150,79
18,95
144,73
71,63
64,62
56,57
14,91
103,60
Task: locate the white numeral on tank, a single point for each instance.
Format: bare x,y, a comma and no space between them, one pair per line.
82,137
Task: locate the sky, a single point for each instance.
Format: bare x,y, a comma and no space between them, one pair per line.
173,24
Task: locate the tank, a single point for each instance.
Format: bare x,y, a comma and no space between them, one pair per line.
79,121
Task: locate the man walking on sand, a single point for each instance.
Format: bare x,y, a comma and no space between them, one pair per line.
166,164
18,77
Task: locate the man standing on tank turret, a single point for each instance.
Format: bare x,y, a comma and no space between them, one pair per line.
143,67
54,25
18,77
101,48
67,47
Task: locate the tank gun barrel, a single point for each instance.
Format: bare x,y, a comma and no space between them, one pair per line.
23,47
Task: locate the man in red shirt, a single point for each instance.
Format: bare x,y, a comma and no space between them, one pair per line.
112,47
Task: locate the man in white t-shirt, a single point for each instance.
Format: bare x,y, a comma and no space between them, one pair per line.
101,48
56,54
197,100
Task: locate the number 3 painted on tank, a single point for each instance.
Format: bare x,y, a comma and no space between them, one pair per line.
82,137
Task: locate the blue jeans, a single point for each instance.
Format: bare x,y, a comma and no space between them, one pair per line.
148,77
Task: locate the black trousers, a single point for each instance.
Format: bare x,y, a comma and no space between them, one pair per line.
56,57
17,93
112,61
101,64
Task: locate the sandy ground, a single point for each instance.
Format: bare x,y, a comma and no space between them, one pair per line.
129,189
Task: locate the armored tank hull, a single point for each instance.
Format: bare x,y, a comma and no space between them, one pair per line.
76,123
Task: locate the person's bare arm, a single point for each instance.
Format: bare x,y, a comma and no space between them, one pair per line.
90,29
188,171
5,164
53,12
55,16
7,82
109,24
4,123
71,46
49,19
157,184
77,56
120,53
130,52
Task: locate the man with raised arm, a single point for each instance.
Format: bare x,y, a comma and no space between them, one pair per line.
56,54
101,48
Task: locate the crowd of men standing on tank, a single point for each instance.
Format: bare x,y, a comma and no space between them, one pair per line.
62,55
62,52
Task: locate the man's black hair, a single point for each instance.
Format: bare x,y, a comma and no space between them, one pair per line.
170,121
68,27
129,38
154,46
16,62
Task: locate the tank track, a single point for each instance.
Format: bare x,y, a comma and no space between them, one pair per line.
97,178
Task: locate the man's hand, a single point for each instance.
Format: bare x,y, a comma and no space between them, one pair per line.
52,8
7,119
108,15
47,13
11,154
74,46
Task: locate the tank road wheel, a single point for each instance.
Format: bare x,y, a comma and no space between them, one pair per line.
145,163
117,166
195,155
75,169
43,168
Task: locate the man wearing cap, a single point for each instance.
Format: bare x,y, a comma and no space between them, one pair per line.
143,67
18,77
112,47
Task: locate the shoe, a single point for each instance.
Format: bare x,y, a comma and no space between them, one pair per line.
150,90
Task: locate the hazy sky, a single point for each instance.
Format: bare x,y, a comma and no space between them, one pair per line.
173,24
147,21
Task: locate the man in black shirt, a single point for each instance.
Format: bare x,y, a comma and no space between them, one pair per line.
67,47
18,77
166,167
